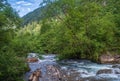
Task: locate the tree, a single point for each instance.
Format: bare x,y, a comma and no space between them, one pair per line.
89,27
9,19
11,66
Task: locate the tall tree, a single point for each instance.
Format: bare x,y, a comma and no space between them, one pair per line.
90,29
9,19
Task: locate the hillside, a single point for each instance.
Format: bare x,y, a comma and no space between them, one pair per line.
32,16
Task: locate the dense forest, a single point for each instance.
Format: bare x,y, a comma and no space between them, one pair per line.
73,29
12,66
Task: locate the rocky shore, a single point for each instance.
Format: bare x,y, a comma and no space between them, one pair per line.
48,69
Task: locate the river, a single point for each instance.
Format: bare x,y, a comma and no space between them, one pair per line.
73,70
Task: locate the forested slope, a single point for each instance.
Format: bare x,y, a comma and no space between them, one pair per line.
32,16
76,29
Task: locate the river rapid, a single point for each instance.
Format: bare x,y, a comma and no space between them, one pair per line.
74,70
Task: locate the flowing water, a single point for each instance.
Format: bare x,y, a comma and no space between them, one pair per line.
75,70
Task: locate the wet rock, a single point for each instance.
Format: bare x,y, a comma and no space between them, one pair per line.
117,71
54,73
35,78
104,71
116,66
117,58
110,58
109,71
38,73
35,75
106,58
89,79
33,59
31,76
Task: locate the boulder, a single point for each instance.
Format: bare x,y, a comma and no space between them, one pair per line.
116,66
117,58
35,75
38,73
106,58
110,58
117,71
114,70
104,71
31,76
33,59
35,78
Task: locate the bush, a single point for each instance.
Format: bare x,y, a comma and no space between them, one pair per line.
12,67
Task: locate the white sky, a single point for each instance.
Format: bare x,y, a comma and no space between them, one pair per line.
24,6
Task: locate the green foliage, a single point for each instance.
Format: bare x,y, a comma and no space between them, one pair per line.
74,29
86,29
32,17
27,39
12,67
8,16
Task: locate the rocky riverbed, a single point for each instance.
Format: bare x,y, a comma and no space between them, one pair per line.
70,70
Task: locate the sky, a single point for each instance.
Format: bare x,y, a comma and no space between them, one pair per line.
24,6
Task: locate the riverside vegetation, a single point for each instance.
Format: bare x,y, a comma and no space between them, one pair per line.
74,29
12,65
